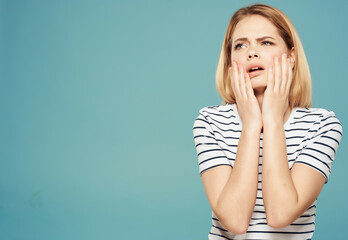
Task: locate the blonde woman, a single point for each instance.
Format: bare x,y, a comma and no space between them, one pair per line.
264,154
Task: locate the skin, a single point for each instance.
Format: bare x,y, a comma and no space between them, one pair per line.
256,41
263,105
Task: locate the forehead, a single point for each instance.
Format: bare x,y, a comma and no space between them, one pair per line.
254,26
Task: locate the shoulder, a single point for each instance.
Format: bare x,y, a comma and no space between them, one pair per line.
320,118
317,111
217,110
218,114
318,114
218,118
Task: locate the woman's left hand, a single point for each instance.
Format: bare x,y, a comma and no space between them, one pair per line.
276,97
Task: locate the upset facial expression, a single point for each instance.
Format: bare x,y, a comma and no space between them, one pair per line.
255,43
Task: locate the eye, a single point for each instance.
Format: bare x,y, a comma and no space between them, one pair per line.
267,43
239,46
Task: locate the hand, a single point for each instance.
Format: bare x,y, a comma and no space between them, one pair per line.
276,97
248,106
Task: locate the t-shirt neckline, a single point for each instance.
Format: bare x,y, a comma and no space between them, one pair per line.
286,124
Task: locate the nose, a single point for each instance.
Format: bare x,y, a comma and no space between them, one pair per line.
253,54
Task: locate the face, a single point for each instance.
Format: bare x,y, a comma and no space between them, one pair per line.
255,43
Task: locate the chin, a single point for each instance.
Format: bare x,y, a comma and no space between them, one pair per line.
258,83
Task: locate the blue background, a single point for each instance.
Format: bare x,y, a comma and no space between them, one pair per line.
98,100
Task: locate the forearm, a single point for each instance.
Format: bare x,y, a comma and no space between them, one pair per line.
237,200
278,189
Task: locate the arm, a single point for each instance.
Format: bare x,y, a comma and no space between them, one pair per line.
231,192
286,193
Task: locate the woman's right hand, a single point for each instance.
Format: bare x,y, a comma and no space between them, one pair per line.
248,106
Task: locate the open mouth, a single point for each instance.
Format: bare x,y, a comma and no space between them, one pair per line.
255,69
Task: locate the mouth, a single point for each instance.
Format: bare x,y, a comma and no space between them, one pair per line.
255,71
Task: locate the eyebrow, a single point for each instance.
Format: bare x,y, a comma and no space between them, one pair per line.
258,39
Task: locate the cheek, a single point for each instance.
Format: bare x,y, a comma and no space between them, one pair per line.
270,56
276,54
237,58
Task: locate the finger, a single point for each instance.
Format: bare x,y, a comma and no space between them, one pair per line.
276,74
270,78
284,73
230,72
235,80
242,81
290,75
249,87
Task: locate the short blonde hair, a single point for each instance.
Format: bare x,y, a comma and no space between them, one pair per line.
300,94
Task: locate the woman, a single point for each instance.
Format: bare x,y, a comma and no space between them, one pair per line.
265,153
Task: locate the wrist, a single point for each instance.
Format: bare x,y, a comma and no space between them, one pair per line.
269,121
274,124
252,128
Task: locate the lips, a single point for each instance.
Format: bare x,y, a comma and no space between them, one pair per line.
255,73
254,70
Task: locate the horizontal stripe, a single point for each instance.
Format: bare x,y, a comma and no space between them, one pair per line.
227,123
214,141
328,131
301,224
260,218
304,111
204,136
328,124
318,151
222,229
297,129
312,156
199,127
339,132
219,115
213,158
326,118
303,122
323,144
222,236
216,150
310,115
224,130
331,139
214,107
214,166
227,137
211,143
280,232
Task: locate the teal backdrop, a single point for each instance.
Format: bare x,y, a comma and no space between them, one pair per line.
98,100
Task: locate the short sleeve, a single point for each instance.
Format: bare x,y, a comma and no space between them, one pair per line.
319,151
209,151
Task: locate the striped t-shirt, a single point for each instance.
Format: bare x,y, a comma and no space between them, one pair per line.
312,138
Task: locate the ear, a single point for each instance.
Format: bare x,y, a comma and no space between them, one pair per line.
292,56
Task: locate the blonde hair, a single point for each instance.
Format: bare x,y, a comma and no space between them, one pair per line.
300,94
